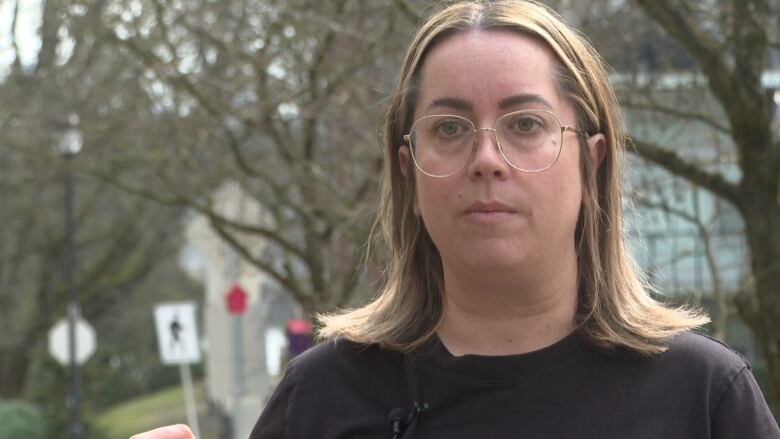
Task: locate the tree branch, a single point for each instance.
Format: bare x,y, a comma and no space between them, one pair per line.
682,27
750,45
672,162
264,232
671,111
153,62
285,279
739,91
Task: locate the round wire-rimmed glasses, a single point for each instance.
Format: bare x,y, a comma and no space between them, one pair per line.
528,140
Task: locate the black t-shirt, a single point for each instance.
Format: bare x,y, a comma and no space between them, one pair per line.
698,389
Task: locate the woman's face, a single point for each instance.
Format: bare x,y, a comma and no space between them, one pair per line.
490,216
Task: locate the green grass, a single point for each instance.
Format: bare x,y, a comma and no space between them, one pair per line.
147,412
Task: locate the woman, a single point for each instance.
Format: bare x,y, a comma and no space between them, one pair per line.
511,307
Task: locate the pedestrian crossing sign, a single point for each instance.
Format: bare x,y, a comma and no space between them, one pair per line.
177,333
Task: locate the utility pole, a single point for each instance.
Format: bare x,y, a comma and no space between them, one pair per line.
69,146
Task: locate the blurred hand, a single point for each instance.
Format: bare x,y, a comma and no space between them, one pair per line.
179,431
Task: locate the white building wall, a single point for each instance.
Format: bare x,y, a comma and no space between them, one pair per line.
215,264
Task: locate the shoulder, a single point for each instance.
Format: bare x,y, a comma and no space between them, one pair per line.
684,352
737,407
341,357
696,365
693,364
704,353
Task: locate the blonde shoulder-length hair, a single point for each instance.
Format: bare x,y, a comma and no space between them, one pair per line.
615,308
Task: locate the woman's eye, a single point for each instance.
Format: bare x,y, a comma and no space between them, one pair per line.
449,128
526,124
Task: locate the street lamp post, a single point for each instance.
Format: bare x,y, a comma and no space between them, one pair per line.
69,146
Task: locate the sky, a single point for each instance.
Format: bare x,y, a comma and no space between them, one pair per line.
26,31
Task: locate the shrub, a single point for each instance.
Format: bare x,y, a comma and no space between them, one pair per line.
21,419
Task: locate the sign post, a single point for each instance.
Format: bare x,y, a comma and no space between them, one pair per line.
236,305
72,342
177,338
68,147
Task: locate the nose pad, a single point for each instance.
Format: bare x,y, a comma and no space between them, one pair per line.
487,158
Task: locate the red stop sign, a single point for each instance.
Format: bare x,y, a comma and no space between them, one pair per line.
236,299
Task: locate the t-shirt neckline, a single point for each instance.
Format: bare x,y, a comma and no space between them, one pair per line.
499,367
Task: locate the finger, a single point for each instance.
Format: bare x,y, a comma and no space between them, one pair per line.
178,431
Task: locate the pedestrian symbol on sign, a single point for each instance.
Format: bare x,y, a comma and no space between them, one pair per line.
177,335
175,330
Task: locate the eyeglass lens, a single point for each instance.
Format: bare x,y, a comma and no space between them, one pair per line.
530,140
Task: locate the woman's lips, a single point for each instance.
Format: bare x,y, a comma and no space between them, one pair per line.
489,207
489,212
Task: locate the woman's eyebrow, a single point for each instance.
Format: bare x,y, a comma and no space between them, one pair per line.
450,102
523,99
462,104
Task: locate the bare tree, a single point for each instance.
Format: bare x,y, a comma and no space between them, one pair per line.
119,237
705,60
282,98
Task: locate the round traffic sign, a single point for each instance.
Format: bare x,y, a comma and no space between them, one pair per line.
86,341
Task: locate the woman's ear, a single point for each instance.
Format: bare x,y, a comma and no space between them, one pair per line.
597,149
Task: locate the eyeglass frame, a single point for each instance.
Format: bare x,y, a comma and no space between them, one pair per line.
408,139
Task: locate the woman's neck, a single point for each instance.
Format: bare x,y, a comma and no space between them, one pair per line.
504,314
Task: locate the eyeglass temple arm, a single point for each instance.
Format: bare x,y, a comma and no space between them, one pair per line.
575,130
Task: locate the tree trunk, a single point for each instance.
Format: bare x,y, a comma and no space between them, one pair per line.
14,364
763,312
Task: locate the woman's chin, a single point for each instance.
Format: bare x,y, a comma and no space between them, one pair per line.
496,259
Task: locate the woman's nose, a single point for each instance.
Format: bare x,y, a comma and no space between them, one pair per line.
487,159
